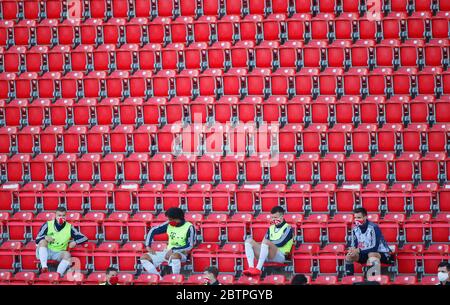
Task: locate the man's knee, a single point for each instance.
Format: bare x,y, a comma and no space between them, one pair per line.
268,243
374,254
250,241
65,255
146,257
43,243
373,258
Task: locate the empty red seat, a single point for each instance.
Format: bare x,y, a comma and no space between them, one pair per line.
24,278
95,278
382,279
49,278
429,280
434,255
274,280
5,277
147,279
391,25
343,23
350,280
90,224
244,280
28,194
222,196
439,25
28,256
9,252
409,257
172,279
325,280
440,228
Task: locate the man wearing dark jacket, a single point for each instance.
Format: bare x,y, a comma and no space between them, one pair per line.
181,235
367,244
211,274
444,274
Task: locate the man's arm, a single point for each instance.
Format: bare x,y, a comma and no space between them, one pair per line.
287,236
375,238
190,241
162,228
77,236
42,233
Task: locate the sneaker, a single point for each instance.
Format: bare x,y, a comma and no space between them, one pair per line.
44,270
252,272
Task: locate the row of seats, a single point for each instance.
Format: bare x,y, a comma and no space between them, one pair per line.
424,109
309,259
277,27
105,9
236,82
241,140
306,259
95,278
219,228
308,168
242,56
226,198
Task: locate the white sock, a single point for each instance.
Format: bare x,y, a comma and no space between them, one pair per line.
262,256
62,267
149,267
43,256
250,255
372,261
176,266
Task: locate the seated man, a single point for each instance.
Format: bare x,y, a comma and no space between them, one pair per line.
53,240
299,279
111,277
367,244
277,243
211,274
444,274
181,240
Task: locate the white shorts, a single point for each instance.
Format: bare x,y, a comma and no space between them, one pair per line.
159,257
279,258
52,255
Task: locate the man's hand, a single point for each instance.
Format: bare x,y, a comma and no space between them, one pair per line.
150,250
168,254
72,245
353,251
49,239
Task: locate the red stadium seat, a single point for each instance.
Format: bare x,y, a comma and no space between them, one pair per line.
409,257
274,280
435,254
9,252
24,278
382,279
350,280
172,279
146,279
244,280
325,280
49,278
95,278
429,280
110,109
5,277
